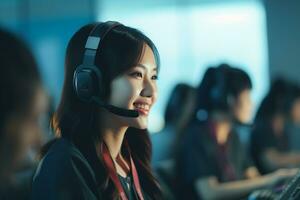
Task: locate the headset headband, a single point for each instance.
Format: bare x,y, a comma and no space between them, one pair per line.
96,35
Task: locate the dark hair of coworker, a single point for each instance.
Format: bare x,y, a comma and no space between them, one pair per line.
178,111
177,102
277,101
213,90
239,80
218,86
120,50
19,78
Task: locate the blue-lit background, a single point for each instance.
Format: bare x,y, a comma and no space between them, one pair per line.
191,38
190,35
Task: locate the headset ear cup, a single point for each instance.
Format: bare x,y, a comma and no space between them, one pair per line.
83,84
220,93
87,79
87,83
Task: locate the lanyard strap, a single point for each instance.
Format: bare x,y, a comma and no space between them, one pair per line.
136,180
113,174
112,171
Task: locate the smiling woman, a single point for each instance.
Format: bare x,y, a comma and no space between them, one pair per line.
137,90
101,152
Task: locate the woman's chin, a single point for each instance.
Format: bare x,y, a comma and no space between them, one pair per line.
139,126
139,123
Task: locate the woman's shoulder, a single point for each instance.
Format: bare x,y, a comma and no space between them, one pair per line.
62,149
60,155
63,168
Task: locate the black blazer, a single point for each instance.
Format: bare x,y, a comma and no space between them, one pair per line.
64,174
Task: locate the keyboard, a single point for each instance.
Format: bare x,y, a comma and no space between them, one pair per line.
292,190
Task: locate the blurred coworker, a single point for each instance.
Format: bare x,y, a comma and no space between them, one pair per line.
293,121
22,102
175,116
270,146
239,86
211,163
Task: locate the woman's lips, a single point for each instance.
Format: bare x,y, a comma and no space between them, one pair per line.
142,107
142,111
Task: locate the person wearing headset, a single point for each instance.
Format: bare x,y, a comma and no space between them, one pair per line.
210,161
103,150
272,140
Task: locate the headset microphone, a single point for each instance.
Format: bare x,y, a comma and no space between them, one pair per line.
116,110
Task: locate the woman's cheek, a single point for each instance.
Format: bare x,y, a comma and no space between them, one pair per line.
123,91
155,95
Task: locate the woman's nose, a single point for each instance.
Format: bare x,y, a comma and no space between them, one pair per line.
149,89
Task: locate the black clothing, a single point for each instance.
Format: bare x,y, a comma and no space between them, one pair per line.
262,139
243,132
64,174
128,186
200,156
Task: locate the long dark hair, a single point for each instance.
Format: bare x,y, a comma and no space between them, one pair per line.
20,77
80,122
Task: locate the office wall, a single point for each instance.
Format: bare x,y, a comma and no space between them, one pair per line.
47,26
283,31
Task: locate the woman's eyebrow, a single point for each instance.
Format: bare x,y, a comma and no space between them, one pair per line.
144,67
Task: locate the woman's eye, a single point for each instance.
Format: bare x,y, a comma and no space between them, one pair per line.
155,77
137,74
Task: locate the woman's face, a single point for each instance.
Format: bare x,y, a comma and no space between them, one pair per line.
243,106
136,90
295,111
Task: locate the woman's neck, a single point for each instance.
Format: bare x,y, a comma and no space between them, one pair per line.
114,139
113,136
222,132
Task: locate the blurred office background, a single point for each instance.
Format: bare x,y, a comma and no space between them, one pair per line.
261,37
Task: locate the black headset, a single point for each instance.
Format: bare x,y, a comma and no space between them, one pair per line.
220,94
88,79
